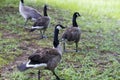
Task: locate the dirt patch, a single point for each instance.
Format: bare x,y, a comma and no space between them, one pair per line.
103,52
114,54
28,46
27,50
12,65
8,35
103,61
7,9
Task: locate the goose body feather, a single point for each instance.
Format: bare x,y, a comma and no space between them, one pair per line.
47,56
42,23
28,12
72,34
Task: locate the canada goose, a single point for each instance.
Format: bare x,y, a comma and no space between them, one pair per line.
42,23
28,12
46,58
73,33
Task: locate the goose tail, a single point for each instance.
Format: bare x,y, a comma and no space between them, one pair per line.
22,67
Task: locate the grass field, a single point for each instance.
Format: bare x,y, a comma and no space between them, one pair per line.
99,56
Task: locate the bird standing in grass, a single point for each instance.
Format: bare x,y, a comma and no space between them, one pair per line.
46,58
73,33
42,23
28,12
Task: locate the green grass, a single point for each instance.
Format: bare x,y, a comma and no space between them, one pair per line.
99,56
106,8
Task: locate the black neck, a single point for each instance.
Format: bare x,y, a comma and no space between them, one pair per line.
22,1
74,23
45,11
56,41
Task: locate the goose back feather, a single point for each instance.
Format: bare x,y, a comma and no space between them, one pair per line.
42,23
72,34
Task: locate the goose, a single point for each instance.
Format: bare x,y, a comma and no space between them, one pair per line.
45,58
73,33
28,12
42,23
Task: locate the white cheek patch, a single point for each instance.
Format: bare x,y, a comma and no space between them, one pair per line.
58,27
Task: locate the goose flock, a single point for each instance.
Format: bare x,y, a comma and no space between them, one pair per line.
48,58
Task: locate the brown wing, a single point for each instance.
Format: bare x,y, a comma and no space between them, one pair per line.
43,21
43,56
72,34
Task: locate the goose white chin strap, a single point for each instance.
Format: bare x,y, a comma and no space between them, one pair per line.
35,65
58,27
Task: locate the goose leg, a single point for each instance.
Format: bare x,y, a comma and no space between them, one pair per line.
39,75
55,75
76,47
26,22
41,34
44,36
64,46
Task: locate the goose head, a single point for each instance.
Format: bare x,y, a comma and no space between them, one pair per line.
22,1
45,10
59,27
76,14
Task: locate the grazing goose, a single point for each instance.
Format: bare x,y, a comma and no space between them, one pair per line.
73,33
28,12
42,23
47,58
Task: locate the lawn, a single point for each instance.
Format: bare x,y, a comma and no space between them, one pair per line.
99,56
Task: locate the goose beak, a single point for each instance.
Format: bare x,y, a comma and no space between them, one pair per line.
79,15
48,7
63,27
